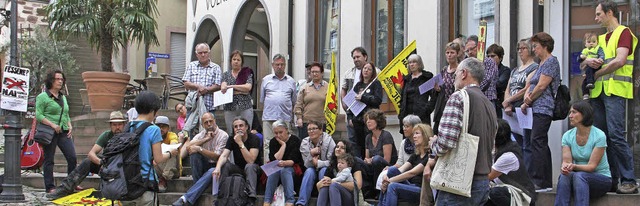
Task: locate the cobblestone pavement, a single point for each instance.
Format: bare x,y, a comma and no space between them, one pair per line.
32,196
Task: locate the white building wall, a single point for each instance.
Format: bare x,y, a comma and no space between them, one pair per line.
301,41
350,32
422,26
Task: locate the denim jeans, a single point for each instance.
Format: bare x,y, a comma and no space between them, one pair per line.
199,166
403,190
582,185
536,152
335,194
609,116
286,177
479,195
66,146
200,186
302,131
378,163
309,180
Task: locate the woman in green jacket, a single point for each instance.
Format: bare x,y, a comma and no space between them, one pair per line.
52,110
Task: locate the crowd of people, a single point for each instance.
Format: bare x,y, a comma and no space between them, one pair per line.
510,167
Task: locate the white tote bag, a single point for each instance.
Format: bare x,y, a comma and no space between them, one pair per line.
453,172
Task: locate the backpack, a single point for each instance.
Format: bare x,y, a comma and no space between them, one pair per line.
120,174
234,191
561,102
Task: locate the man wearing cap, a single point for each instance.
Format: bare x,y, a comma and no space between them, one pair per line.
169,169
92,163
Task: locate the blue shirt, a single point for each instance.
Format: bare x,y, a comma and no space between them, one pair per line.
545,102
150,136
278,96
582,154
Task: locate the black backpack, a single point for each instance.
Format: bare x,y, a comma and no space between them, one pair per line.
234,191
120,173
561,102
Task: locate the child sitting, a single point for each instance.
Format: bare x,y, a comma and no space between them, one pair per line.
344,165
592,50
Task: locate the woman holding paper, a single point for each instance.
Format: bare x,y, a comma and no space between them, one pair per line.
446,87
539,97
284,148
514,93
412,101
310,101
369,92
240,79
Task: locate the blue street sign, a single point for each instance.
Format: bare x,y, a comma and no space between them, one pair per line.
159,55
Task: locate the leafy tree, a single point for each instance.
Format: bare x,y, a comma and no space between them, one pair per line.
41,53
106,24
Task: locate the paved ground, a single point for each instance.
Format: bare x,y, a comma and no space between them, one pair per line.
32,196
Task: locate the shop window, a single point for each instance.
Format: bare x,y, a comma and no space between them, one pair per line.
327,21
389,36
471,13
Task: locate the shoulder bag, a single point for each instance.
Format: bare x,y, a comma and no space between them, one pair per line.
44,133
453,172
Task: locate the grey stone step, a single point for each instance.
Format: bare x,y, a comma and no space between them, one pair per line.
611,198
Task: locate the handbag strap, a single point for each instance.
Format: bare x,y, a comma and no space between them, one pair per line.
64,101
465,111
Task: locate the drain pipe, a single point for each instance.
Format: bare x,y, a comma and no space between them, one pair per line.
513,33
290,39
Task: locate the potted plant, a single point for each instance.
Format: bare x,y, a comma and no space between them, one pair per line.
107,25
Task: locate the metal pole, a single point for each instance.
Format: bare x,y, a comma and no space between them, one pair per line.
12,186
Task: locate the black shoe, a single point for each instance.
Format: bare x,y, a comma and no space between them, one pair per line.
181,202
57,193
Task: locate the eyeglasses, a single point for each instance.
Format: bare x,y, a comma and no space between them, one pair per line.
406,126
312,129
315,72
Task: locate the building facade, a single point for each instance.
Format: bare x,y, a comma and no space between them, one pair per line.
309,30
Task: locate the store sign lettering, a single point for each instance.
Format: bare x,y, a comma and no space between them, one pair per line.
213,3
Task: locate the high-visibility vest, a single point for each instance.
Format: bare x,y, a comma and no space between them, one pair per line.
620,82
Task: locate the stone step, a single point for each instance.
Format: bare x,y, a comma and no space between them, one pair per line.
35,180
611,198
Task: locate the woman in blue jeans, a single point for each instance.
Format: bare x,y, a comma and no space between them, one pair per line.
585,169
405,182
52,110
316,150
284,148
340,193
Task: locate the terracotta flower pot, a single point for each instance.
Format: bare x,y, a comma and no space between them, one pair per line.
105,89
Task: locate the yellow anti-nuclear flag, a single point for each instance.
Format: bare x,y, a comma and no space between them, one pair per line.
331,101
391,76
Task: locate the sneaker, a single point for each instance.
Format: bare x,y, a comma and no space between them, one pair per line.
627,188
57,193
590,86
79,188
547,189
181,202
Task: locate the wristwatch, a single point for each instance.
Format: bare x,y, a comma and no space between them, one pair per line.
242,147
200,149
